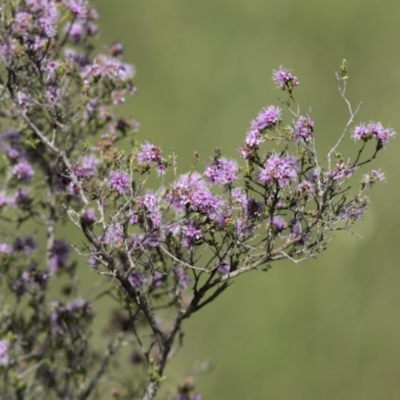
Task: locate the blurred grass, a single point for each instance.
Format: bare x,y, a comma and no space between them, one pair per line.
327,330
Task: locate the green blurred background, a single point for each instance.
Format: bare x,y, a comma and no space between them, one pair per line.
329,329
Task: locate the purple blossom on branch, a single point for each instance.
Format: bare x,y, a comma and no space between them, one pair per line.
374,130
5,249
222,171
4,358
113,235
186,396
182,277
278,223
137,280
305,187
119,181
192,233
303,129
253,138
267,118
224,268
279,169
27,245
60,257
373,177
151,154
23,171
89,165
89,216
182,189
152,205
78,7
342,171
284,78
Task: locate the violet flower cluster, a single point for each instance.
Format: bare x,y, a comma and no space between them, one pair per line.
161,254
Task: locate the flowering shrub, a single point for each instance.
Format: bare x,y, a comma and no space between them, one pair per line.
163,254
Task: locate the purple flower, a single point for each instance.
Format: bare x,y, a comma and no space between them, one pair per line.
49,19
303,129
133,217
137,280
78,30
267,118
296,232
238,196
361,132
118,96
181,190
224,268
202,200
182,396
27,245
31,277
111,68
91,106
5,200
253,138
151,154
182,277
342,171
89,216
6,51
242,227
280,169
73,57
68,316
53,95
357,210
384,135
373,177
51,70
119,181
21,197
5,248
116,49
78,7
18,287
46,13
151,240
222,171
60,255
24,101
12,153
192,233
305,187
89,165
284,78
23,23
278,224
371,130
185,396
151,203
314,175
4,352
158,279
252,208
113,234
23,171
